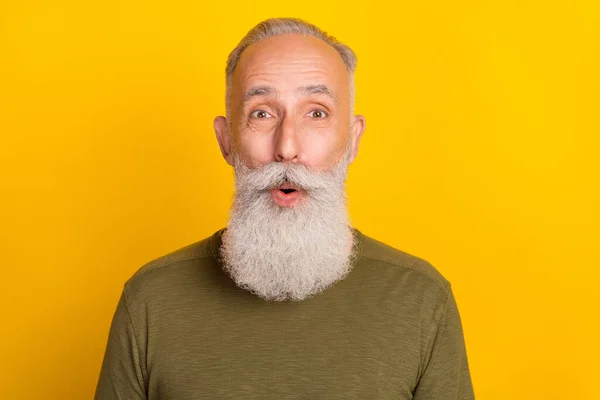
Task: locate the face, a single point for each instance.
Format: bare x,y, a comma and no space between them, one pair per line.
290,103
290,141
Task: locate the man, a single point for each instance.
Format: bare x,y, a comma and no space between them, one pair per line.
289,301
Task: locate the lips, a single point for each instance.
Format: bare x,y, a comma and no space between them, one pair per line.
287,188
287,195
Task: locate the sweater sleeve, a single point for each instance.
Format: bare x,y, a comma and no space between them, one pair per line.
121,375
446,375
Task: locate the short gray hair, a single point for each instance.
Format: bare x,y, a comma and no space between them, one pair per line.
286,26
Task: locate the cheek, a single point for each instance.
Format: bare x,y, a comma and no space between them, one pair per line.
323,150
255,150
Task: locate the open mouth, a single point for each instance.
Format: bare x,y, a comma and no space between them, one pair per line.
287,195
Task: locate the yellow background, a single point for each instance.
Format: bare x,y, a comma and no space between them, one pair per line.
480,155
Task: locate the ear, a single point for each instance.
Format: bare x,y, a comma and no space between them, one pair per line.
359,124
224,138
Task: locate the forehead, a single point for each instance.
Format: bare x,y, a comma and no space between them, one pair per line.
290,61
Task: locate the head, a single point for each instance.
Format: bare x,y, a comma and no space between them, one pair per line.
290,134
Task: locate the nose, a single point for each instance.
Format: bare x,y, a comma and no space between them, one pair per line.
287,148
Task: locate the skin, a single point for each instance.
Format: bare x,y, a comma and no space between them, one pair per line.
290,102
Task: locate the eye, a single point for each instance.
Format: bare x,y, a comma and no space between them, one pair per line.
318,114
260,114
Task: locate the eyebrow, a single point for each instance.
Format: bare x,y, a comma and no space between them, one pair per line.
256,91
317,89
265,90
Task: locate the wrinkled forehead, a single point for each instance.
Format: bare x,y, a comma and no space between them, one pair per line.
288,62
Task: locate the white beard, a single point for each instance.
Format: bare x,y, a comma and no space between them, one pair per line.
291,253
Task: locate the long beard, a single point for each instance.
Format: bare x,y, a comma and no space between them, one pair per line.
291,253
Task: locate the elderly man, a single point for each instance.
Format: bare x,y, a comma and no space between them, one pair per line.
289,301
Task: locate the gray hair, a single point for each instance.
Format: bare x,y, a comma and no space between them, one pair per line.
285,26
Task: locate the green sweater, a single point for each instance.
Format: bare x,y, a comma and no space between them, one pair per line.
183,330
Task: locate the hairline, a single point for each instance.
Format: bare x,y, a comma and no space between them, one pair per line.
287,26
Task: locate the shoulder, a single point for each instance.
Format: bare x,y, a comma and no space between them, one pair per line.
174,265
384,255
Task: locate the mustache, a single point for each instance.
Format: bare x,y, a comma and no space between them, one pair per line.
275,174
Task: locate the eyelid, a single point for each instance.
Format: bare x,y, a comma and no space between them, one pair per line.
260,110
326,113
